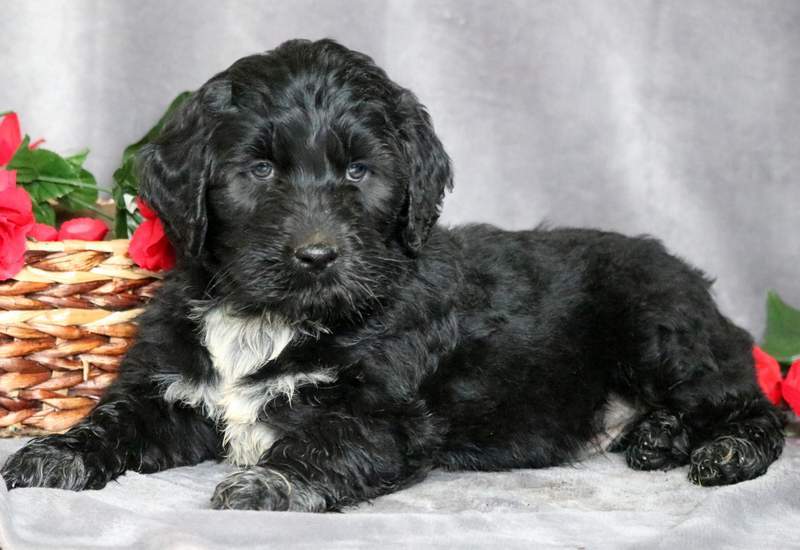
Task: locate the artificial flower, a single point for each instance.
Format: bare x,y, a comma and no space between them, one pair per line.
8,178
146,212
150,248
82,229
16,219
768,373
11,138
43,232
791,387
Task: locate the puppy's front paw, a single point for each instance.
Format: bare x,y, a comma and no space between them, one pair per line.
260,488
49,462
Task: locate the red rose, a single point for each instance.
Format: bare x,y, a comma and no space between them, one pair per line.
150,247
16,219
8,178
43,232
144,210
82,229
11,138
768,373
791,387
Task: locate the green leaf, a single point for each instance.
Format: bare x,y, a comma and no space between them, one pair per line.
78,158
125,179
48,177
81,198
44,213
31,165
782,338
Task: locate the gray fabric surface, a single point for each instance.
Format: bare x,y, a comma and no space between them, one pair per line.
678,119
598,503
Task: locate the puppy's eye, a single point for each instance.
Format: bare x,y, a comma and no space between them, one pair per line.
356,171
262,170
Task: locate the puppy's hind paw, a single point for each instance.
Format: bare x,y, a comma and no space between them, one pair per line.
726,460
260,488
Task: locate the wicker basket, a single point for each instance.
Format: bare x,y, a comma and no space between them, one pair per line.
66,320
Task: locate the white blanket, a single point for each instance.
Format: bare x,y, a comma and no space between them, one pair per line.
599,503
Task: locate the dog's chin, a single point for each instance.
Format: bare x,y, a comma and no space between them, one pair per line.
318,303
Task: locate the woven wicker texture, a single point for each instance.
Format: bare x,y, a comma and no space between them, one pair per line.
66,320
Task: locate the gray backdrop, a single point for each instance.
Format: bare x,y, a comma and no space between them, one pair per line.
678,119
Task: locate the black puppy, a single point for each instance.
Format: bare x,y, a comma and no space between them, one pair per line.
322,332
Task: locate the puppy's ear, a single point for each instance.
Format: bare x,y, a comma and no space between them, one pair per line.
175,168
428,172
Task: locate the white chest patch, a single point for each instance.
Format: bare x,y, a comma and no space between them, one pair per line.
615,416
239,346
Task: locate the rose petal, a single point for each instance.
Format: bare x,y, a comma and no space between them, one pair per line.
83,229
12,249
8,178
791,387
16,219
768,373
43,232
10,137
16,208
146,212
150,248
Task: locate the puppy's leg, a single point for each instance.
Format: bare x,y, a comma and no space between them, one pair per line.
706,380
336,461
132,428
745,439
735,432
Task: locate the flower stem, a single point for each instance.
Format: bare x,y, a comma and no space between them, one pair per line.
74,183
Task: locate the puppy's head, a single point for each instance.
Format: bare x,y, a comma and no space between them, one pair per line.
303,179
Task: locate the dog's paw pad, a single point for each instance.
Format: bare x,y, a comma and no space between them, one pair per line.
726,460
658,442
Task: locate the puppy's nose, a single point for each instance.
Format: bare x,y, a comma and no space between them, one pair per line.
316,255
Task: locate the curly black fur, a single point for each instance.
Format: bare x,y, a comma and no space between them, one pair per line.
466,348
